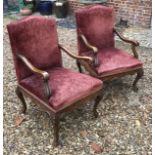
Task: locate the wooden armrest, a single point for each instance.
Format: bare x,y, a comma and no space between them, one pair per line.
133,43
93,48
35,70
86,58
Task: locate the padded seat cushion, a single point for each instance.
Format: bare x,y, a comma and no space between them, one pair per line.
113,60
67,86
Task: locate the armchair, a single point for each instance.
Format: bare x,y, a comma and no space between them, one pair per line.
40,74
95,31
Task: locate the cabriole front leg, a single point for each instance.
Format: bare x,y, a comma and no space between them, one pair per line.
79,66
97,101
56,130
21,97
139,76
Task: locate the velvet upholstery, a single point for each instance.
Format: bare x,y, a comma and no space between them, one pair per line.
113,60
96,23
67,86
36,39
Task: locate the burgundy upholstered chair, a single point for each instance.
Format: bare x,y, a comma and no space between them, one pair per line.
40,74
95,30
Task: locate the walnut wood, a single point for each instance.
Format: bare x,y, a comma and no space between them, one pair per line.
133,47
56,130
119,74
133,43
97,101
89,68
113,75
21,97
71,106
56,113
68,107
85,58
79,66
44,74
92,68
125,39
139,75
93,48
43,104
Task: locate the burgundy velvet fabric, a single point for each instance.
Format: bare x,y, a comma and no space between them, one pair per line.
96,23
67,86
113,60
35,38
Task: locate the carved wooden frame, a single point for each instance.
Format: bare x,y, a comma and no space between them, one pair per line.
91,67
43,104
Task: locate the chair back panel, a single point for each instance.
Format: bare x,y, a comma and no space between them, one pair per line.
36,39
96,23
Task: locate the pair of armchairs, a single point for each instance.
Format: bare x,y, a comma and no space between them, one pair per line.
38,61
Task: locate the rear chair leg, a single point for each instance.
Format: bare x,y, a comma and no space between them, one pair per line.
139,75
97,101
56,130
21,97
79,66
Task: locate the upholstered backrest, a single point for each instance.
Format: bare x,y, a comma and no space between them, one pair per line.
96,23
36,39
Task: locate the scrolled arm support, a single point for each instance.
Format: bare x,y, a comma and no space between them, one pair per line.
93,48
85,58
35,70
133,43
